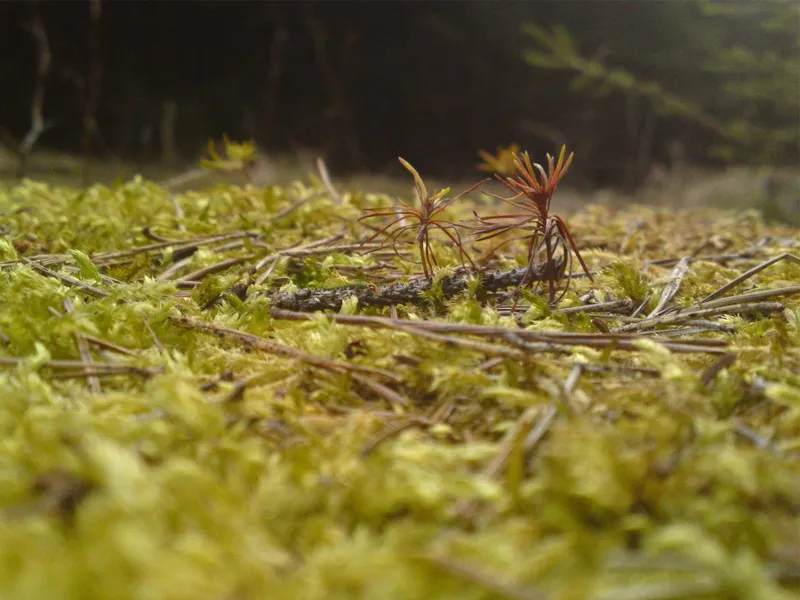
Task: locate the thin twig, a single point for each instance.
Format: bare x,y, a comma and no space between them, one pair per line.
536,423
725,361
679,272
396,401
357,372
482,347
756,296
721,258
550,339
293,207
103,257
78,368
748,274
641,308
179,214
101,343
412,422
326,180
761,442
272,259
620,369
201,274
156,341
85,353
259,343
611,306
175,267
574,376
70,281
682,315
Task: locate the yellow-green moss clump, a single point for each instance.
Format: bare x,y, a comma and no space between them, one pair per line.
167,434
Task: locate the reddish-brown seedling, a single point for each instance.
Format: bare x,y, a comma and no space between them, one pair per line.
422,221
533,189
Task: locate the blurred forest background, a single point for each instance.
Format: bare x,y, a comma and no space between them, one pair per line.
630,86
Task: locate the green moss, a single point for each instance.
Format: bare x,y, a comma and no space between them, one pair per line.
630,282
232,470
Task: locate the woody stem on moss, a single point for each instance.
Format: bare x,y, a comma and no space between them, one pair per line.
413,292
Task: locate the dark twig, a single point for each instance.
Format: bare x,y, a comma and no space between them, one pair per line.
725,361
395,399
309,299
611,306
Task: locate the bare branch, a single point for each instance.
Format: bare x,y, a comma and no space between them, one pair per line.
308,299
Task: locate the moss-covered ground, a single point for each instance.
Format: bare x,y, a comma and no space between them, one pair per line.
166,434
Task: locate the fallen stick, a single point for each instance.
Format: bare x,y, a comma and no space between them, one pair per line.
311,300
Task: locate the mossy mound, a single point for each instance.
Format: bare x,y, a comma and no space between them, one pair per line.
167,435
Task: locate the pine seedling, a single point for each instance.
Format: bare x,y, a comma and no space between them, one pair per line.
547,235
407,220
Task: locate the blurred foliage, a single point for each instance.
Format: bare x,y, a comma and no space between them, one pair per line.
502,162
624,81
239,156
738,72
